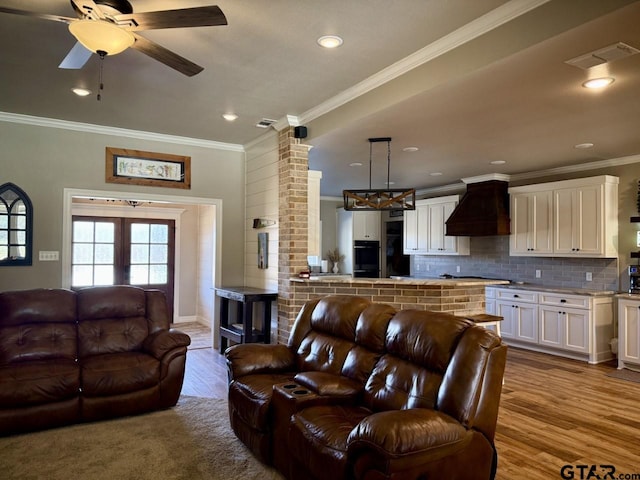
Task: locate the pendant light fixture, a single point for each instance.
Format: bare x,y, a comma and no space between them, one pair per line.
380,199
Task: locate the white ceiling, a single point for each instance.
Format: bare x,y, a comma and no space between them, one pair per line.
467,82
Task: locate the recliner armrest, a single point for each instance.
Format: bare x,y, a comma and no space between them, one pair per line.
400,439
163,341
248,358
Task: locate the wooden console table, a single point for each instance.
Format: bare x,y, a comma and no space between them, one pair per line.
242,331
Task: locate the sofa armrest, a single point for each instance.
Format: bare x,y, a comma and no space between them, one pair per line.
163,341
401,439
247,358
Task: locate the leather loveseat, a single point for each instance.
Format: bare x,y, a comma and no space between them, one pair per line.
97,353
364,392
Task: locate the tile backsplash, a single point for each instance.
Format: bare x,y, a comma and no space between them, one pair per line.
490,258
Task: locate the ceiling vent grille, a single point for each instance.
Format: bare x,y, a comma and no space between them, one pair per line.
265,123
603,55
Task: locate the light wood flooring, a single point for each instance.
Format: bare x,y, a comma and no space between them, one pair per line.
553,412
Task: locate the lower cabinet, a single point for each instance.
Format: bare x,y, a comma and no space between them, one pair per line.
575,326
628,333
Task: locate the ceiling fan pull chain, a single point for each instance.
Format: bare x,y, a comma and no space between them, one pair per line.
101,87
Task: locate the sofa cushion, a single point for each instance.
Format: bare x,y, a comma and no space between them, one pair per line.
324,353
35,383
318,437
35,306
38,342
118,373
111,335
250,397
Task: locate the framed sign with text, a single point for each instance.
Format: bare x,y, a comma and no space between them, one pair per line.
135,167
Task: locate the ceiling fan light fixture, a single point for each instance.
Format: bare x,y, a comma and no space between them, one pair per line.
101,35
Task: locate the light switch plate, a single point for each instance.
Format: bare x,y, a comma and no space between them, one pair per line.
589,276
48,256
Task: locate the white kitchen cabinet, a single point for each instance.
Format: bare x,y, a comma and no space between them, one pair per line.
579,220
531,223
571,325
424,228
628,332
520,313
416,229
366,225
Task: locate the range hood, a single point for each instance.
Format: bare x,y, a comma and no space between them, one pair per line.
483,210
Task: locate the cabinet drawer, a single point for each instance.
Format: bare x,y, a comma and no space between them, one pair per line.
556,299
519,295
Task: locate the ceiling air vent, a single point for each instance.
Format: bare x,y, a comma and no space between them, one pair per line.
265,123
603,55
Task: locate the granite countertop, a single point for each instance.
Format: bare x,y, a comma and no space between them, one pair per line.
567,291
453,282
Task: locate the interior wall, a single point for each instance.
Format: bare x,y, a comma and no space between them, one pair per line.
329,219
44,160
262,202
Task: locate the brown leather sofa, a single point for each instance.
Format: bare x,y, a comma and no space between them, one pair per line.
97,353
363,392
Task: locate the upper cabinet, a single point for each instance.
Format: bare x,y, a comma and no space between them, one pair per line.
572,218
424,228
366,225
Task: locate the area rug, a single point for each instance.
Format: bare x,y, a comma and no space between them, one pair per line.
625,374
192,441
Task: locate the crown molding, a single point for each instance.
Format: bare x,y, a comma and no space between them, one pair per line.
115,131
462,35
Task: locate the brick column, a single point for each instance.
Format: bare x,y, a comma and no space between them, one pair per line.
293,166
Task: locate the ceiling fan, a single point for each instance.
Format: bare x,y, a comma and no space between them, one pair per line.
108,27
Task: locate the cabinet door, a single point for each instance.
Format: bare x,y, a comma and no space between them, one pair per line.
526,321
366,225
506,311
578,221
551,326
629,324
416,230
436,228
588,221
531,223
576,330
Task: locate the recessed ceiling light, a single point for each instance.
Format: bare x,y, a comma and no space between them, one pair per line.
81,92
435,174
598,82
355,164
410,149
583,145
229,117
497,162
330,41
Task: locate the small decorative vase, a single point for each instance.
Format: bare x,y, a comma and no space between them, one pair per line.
336,269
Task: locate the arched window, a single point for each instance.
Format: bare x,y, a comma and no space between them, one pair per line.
16,226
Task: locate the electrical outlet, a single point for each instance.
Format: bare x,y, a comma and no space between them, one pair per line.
417,267
45,256
427,267
538,273
589,276
458,268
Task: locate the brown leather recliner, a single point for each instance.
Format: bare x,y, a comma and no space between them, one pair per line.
425,406
101,352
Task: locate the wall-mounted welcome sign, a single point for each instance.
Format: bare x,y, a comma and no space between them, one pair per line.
135,167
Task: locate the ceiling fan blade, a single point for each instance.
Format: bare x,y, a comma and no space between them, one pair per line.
165,56
44,16
180,18
76,58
